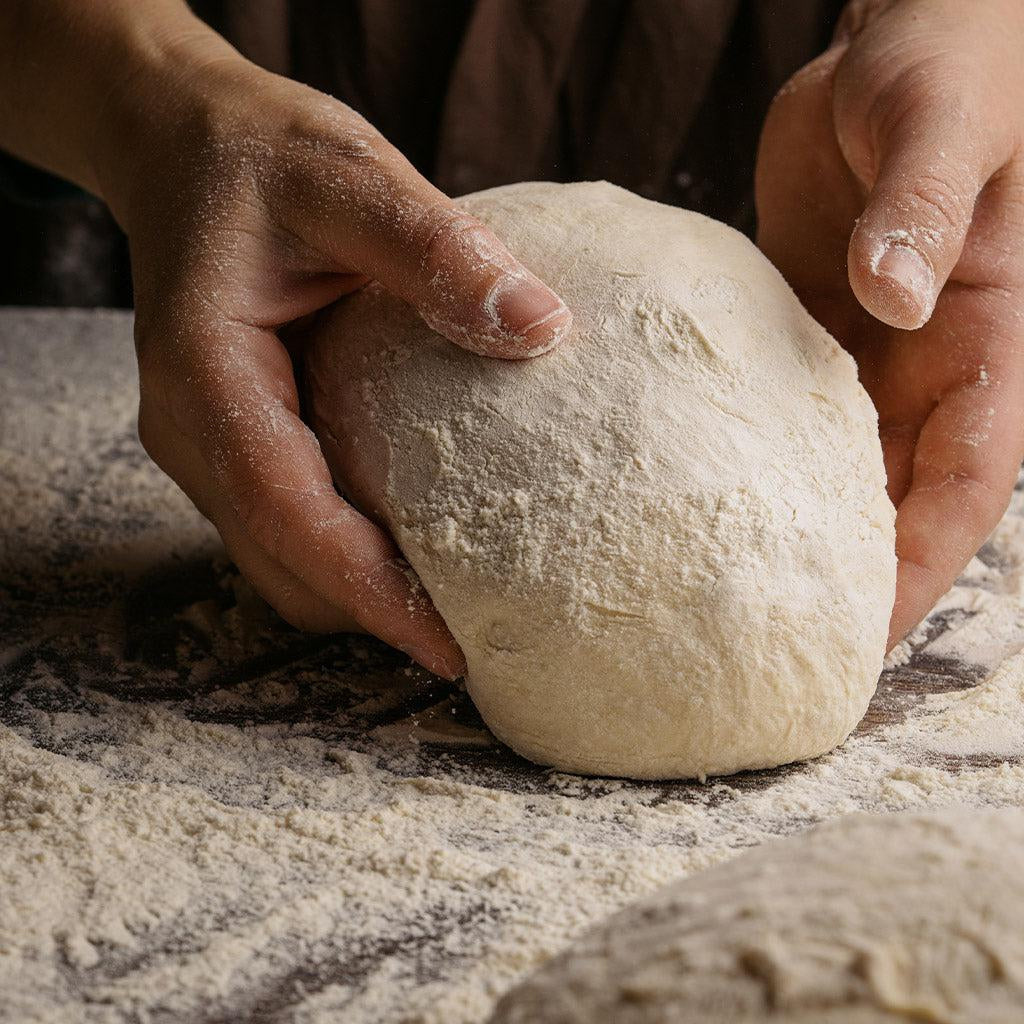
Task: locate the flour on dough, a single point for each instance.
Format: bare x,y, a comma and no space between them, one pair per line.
665,547
869,920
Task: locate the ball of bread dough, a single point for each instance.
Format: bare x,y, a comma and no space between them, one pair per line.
871,920
665,547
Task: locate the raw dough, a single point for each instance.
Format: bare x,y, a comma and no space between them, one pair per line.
871,920
665,547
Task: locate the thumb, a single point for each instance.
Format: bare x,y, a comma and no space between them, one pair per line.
916,217
394,226
468,286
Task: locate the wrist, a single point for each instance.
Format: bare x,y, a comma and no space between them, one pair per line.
157,109
77,76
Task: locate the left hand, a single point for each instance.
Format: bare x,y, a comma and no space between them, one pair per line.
890,193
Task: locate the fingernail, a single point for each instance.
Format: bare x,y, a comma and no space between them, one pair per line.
911,273
529,311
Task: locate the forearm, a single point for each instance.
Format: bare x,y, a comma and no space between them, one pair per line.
79,78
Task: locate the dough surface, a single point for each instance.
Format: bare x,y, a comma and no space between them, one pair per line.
869,920
665,547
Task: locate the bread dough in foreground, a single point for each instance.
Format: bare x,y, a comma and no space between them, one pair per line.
871,920
665,547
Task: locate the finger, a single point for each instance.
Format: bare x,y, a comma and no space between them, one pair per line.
394,226
965,467
296,603
260,477
801,231
916,218
468,287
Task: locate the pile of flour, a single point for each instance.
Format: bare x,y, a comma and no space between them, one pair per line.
236,822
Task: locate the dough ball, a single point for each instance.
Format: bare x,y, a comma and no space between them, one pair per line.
870,920
665,547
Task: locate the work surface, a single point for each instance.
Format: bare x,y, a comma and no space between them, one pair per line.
206,816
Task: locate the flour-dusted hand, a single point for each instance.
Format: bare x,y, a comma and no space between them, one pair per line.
890,190
279,202
249,202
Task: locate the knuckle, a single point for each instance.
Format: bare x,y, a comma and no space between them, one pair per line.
324,123
927,84
328,150
940,201
445,234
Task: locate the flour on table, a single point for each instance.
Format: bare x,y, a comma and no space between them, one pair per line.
207,817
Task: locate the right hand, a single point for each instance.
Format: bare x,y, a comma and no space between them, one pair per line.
890,193
252,201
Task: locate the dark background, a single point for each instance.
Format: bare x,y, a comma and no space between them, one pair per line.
61,247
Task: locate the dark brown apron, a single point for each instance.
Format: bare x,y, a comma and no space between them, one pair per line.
664,97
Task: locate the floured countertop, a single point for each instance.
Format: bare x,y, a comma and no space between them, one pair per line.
208,817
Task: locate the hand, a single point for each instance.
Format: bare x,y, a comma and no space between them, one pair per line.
890,190
264,202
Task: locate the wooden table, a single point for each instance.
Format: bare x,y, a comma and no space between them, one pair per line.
113,588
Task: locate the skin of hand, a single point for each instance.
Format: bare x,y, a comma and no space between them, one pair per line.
250,202
890,194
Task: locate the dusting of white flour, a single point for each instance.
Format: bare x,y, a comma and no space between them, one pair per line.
230,825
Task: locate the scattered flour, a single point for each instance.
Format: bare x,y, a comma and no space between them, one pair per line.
205,817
